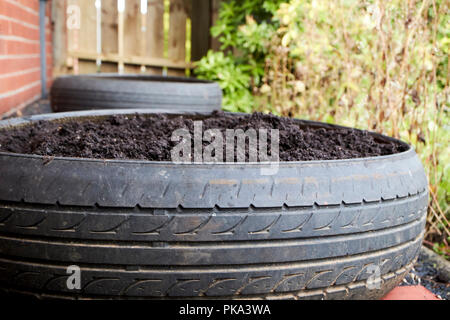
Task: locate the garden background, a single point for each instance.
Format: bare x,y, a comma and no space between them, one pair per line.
375,65
372,64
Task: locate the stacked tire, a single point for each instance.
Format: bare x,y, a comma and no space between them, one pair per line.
112,91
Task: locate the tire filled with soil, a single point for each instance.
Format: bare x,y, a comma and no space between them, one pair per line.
342,217
113,91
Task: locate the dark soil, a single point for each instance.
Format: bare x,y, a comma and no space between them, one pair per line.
149,137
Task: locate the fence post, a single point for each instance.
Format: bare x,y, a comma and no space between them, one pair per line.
200,22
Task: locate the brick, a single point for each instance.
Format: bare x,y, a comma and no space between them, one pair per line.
13,64
31,4
12,10
14,28
20,52
10,102
14,82
16,47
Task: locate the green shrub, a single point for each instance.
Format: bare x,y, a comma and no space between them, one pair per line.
233,79
244,33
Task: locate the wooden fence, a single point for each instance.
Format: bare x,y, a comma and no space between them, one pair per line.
131,36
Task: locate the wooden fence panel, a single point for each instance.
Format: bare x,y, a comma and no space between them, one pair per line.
110,34
177,33
72,19
59,50
131,41
132,28
109,27
88,26
132,33
215,6
155,33
201,20
87,34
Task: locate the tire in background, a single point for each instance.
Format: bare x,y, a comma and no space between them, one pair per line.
113,91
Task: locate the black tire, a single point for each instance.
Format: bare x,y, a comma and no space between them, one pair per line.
112,91
140,229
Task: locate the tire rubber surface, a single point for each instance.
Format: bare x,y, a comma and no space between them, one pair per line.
141,229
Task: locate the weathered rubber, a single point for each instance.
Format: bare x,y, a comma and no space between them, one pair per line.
140,229
112,91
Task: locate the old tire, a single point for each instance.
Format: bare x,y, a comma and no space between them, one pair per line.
112,91
139,229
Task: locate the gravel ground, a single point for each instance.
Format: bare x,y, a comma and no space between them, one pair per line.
38,107
427,273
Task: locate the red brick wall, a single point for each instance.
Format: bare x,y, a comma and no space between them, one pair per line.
20,53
